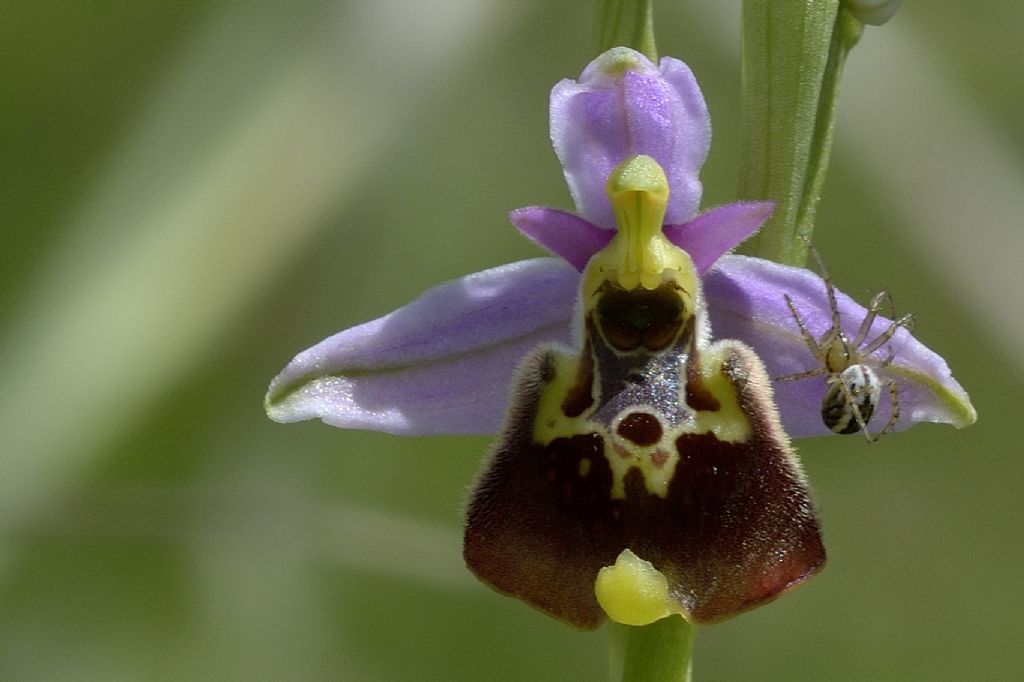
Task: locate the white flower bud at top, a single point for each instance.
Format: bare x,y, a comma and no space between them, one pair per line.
873,12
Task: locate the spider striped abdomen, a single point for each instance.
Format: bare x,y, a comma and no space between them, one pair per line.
855,390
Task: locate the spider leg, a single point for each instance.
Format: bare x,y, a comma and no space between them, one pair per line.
803,375
869,319
894,416
906,321
830,290
808,339
884,294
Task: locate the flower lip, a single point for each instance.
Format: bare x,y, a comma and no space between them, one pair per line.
704,487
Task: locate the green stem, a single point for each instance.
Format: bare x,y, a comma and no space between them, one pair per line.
626,23
659,652
793,57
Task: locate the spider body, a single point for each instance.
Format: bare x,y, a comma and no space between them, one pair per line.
853,387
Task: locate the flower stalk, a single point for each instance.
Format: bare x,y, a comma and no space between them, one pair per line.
626,23
659,652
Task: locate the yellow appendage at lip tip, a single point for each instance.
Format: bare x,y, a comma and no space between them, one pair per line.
639,254
633,591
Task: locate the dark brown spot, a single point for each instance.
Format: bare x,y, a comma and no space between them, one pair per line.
642,428
630,319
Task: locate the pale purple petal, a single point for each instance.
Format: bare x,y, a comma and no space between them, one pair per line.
563,234
623,106
692,142
441,364
717,231
745,302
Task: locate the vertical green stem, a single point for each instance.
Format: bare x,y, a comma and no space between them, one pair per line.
626,23
659,652
792,62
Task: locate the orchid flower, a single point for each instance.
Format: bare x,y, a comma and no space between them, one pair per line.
445,362
642,468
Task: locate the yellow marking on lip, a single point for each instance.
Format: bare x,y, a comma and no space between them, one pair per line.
551,422
729,423
656,462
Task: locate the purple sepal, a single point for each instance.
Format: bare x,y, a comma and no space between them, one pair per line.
441,364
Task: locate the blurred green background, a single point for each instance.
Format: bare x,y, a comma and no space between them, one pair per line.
192,192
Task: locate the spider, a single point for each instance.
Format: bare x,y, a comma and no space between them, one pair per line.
854,387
